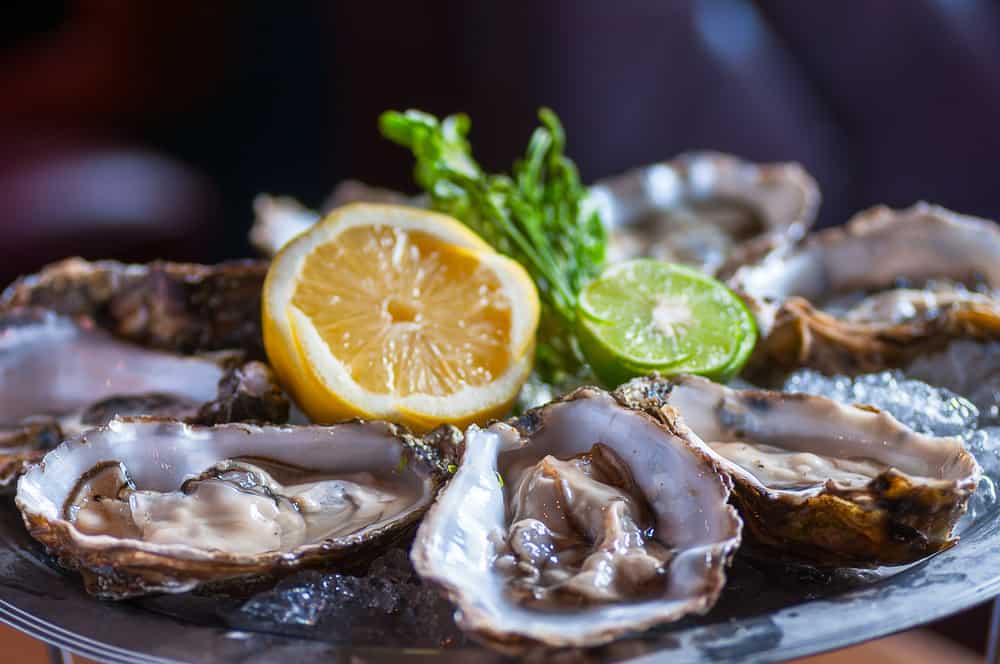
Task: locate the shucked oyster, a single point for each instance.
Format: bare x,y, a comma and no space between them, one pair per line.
821,481
143,506
887,288
578,522
61,373
709,210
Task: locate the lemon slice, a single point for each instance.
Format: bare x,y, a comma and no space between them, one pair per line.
390,312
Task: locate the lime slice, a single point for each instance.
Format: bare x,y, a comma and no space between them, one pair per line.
645,315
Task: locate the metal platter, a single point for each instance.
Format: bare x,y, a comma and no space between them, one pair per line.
768,612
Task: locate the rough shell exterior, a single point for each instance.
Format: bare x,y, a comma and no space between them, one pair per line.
894,519
179,307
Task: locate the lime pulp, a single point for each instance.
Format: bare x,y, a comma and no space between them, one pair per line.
644,316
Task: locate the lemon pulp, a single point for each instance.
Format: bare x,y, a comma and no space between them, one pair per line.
406,313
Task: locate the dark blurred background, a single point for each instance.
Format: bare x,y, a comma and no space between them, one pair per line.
143,129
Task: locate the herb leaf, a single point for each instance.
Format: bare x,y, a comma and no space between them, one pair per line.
538,215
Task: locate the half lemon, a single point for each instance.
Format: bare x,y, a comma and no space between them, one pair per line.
390,312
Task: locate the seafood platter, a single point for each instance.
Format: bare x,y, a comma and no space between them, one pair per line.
510,417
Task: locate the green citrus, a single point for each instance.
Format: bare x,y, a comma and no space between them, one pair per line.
645,315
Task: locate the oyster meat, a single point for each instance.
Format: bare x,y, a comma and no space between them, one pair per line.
144,506
709,210
888,288
819,481
578,522
61,373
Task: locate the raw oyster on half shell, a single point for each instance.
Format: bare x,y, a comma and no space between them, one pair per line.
889,287
819,481
145,506
709,210
579,522
82,342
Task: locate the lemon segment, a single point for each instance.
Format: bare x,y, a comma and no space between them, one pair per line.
402,314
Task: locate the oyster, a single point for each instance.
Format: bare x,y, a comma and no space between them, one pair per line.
278,219
820,481
177,307
578,522
145,506
709,210
889,287
61,373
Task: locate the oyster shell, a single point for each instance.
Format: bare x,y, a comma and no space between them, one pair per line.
889,287
581,504
178,307
820,481
106,353
969,368
706,209
278,219
146,506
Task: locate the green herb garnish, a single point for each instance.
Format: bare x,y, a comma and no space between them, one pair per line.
538,215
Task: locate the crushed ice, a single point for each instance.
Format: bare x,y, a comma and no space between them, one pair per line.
970,368
388,606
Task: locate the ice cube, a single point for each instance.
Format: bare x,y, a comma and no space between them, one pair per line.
386,606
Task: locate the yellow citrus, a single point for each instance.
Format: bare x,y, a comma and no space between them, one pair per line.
390,312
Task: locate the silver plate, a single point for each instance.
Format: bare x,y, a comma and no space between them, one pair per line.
768,612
